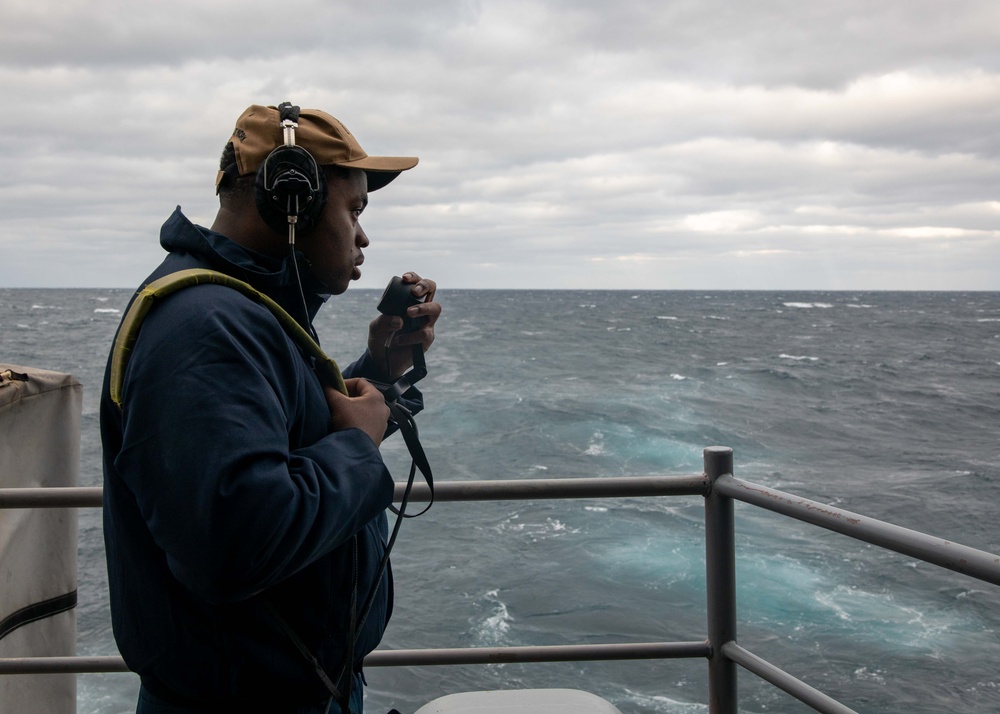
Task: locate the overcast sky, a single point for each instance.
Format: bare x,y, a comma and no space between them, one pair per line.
660,144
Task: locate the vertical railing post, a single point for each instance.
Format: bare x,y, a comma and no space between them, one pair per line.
720,583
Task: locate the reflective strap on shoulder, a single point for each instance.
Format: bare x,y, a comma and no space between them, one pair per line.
328,370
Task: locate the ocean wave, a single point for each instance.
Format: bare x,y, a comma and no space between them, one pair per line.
596,446
661,703
871,675
807,305
882,617
535,531
492,630
798,358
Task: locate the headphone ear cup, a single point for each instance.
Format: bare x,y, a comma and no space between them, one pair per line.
290,183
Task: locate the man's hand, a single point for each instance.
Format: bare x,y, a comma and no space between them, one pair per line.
395,357
363,407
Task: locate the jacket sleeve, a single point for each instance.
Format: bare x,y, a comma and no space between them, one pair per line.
225,448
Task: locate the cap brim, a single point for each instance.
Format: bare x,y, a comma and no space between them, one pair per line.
378,179
381,169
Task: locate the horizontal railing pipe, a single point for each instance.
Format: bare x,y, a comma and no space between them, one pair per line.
638,486
62,665
557,653
54,497
411,658
557,488
784,681
938,551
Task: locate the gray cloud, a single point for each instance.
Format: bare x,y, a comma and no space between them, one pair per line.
563,144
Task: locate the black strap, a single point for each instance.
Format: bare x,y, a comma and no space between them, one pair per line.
304,650
401,386
408,428
38,610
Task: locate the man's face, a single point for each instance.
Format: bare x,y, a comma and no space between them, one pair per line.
334,245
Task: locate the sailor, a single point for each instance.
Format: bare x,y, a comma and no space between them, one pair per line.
244,498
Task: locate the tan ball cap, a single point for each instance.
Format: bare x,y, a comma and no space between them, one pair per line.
258,132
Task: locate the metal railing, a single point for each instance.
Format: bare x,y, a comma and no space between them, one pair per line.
719,489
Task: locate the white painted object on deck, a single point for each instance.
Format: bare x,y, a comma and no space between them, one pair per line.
520,701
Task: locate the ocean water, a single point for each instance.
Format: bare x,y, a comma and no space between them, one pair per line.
883,403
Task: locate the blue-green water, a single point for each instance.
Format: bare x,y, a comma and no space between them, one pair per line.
887,404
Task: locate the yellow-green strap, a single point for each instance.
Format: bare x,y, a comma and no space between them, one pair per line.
328,370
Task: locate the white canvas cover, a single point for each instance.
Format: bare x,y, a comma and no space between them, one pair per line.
39,446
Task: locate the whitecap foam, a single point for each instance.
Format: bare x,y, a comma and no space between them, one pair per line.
661,703
492,630
678,377
883,616
790,593
557,527
798,358
107,310
666,317
870,675
535,531
807,305
596,445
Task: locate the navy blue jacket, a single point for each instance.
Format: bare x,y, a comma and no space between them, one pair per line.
223,488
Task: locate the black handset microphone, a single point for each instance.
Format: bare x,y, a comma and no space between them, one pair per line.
396,298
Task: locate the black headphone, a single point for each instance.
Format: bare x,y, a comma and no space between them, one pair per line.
290,188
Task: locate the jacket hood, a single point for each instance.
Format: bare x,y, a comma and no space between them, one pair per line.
276,277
